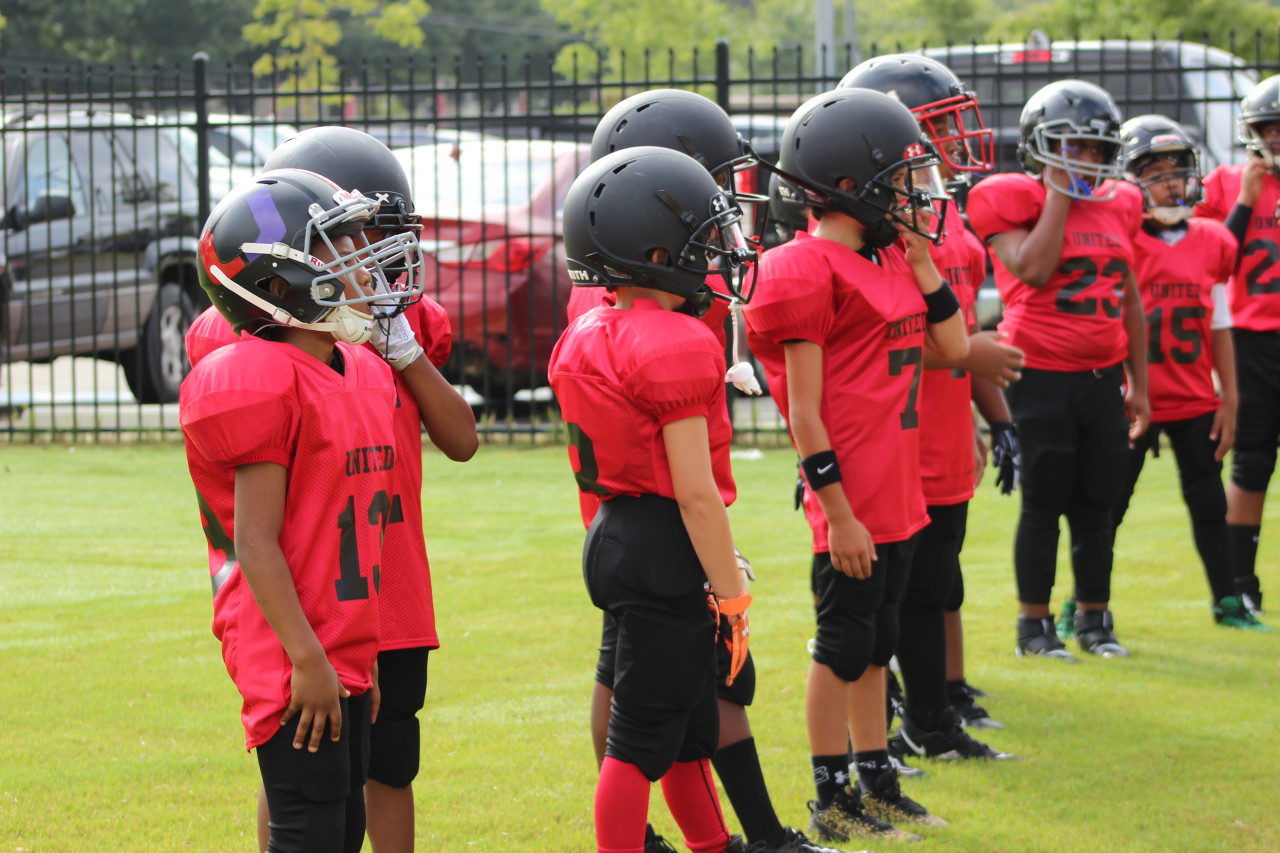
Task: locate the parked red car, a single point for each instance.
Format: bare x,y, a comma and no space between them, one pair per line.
491,214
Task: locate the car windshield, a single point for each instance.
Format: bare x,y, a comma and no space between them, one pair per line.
1221,91
444,178
189,145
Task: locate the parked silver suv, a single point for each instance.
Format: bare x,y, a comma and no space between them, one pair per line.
98,243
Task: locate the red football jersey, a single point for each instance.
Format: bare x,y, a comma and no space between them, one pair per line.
870,322
1176,283
620,377
946,408
408,613
1073,322
207,333
262,401
584,299
1254,288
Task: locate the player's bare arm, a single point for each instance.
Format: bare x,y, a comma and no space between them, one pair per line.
1224,365
314,686
852,549
1135,326
1033,255
987,357
1255,169
447,417
949,339
701,506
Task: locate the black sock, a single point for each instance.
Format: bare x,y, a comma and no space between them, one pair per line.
649,834
1214,546
830,775
1244,555
738,767
871,765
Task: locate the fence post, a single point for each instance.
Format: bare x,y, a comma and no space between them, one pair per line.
722,73
201,96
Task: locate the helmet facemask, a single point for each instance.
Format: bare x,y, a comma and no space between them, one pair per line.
1250,134
1052,146
957,123
325,282
718,246
1186,168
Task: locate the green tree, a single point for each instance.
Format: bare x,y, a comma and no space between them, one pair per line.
620,32
912,23
124,32
1213,21
301,34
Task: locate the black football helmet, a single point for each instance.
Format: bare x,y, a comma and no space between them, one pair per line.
354,160
1152,139
866,136
1059,113
787,213
268,228
679,120
635,200
947,110
1258,109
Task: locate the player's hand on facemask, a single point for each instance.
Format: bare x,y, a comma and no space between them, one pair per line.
392,335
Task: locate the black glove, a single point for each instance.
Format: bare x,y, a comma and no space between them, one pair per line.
1006,455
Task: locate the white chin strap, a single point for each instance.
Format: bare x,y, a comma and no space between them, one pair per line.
1169,214
741,375
345,323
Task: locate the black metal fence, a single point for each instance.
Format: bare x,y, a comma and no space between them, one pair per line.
108,173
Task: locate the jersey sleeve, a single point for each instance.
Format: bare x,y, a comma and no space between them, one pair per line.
1215,204
208,332
680,381
1228,253
584,299
1133,196
1002,203
237,416
796,298
431,326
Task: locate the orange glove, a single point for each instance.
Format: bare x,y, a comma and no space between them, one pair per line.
735,610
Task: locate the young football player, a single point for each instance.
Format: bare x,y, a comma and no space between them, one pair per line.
839,320
1246,198
694,125
290,443
1061,237
948,114
1183,263
642,391
351,159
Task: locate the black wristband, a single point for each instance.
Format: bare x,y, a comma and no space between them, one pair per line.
821,469
941,304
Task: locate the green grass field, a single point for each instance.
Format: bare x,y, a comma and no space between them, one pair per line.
119,729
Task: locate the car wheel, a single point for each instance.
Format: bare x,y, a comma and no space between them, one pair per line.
155,370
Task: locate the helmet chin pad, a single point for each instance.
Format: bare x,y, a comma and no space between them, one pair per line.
1169,214
347,325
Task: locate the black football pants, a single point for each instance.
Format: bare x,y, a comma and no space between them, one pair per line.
1075,455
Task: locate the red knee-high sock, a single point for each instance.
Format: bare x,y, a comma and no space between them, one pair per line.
622,807
690,792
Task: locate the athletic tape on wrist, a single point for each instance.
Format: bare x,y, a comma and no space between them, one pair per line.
821,469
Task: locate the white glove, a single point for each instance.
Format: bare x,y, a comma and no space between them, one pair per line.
744,568
744,379
392,335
